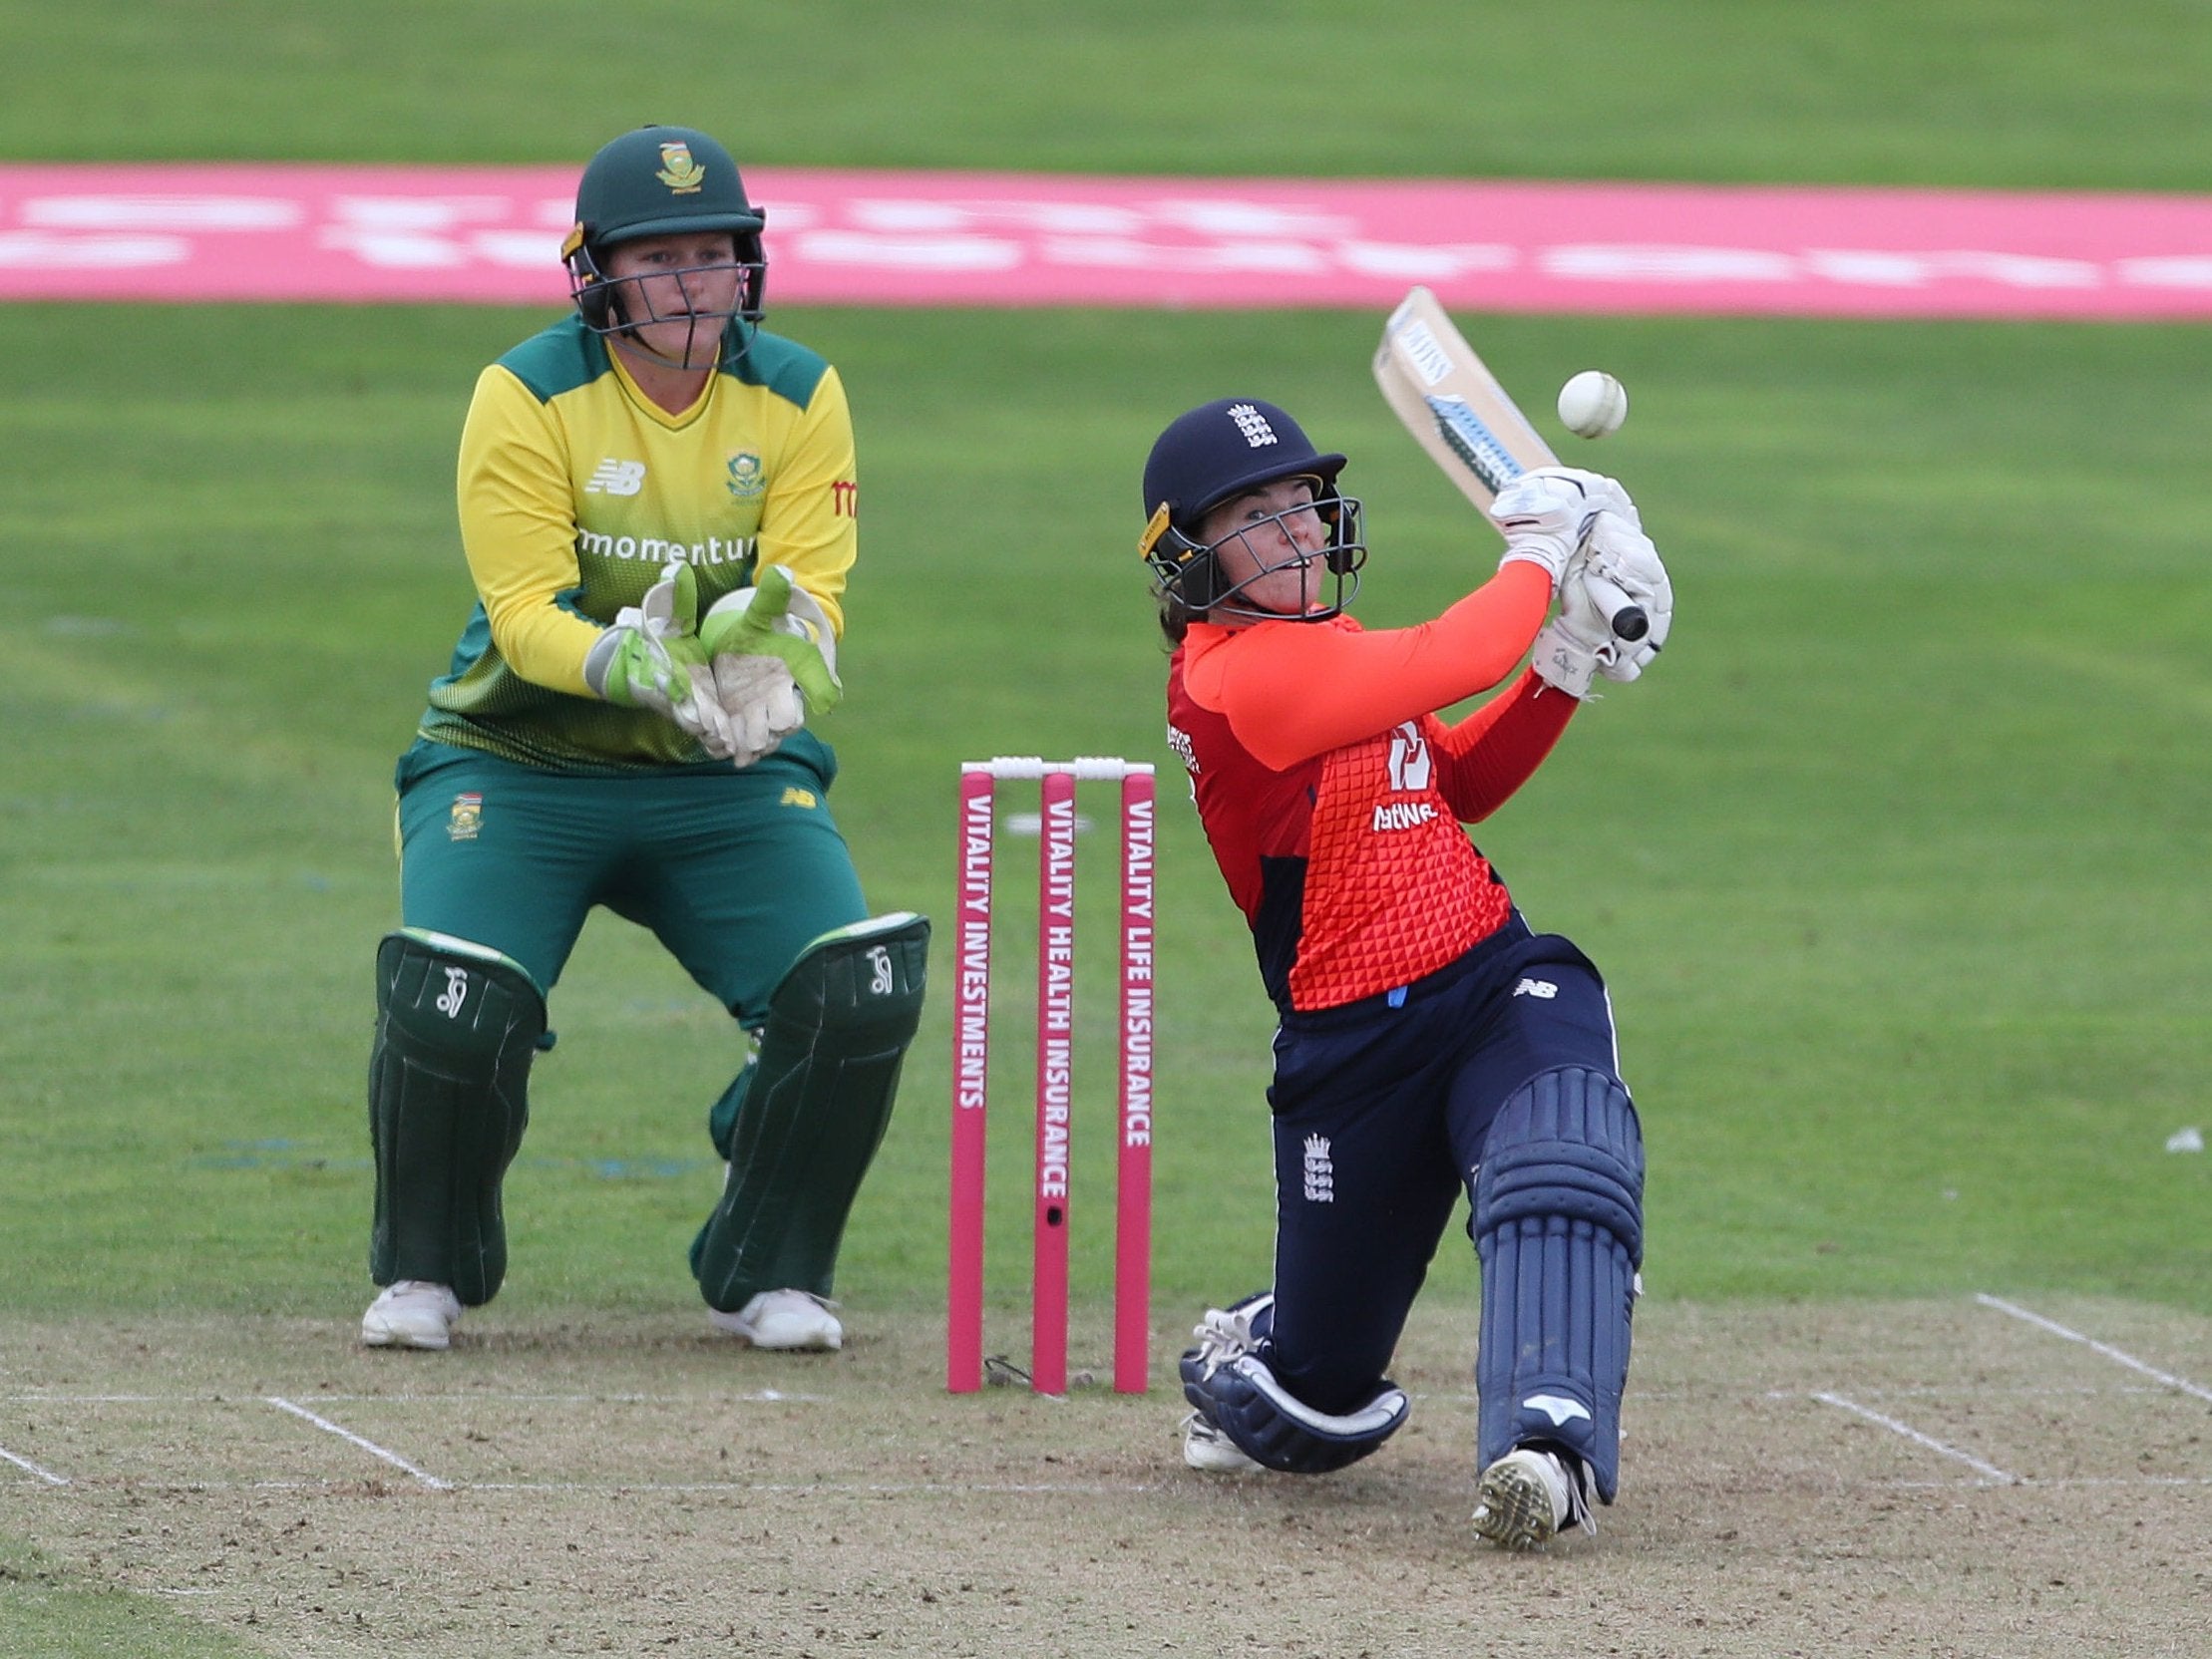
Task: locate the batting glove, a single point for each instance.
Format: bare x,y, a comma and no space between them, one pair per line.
1545,514
1620,567
1617,567
1564,657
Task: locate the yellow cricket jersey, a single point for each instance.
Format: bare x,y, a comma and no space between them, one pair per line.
576,490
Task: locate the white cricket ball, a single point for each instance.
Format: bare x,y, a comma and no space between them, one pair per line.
1593,404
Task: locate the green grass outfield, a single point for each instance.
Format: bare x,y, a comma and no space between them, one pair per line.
1997,93
1889,861
1895,862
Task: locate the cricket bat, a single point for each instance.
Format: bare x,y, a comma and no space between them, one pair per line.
1455,409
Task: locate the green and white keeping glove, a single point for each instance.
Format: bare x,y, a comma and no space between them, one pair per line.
761,702
774,659
652,658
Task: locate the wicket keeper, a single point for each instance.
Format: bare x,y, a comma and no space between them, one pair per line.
658,507
1429,1040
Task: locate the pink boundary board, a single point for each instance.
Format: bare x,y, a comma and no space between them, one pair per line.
489,236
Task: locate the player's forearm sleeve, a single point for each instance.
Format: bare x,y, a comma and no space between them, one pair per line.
1317,688
518,532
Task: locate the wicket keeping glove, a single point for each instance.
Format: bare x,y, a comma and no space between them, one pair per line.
774,660
1545,514
759,701
652,658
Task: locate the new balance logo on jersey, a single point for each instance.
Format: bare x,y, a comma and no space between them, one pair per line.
1543,989
616,478
1320,1174
1252,425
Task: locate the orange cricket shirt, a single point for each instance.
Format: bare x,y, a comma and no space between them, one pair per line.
1333,796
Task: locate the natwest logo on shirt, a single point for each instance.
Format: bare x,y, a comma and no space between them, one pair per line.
1403,814
616,478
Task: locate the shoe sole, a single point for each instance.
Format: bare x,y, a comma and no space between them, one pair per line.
1217,1459
1207,1463
404,1339
813,1342
1512,1509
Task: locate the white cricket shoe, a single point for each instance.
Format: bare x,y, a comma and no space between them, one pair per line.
788,1320
411,1313
1206,1448
1528,1498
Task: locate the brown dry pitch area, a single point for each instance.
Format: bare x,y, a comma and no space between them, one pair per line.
1966,1478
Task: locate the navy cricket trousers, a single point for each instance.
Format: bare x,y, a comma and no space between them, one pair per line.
1380,1110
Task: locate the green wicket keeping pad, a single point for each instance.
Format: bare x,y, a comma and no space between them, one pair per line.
455,1028
815,1109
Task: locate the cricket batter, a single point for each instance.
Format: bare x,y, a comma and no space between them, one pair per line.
658,507
1429,1039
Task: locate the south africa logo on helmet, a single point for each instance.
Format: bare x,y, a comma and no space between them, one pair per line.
678,171
656,181
659,182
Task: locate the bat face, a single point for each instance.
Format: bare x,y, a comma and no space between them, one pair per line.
1475,443
1452,404
1456,410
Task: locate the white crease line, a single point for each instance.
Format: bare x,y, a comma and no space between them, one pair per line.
1917,1438
368,1446
761,1489
2165,1379
30,1468
711,1397
1978,1391
2031,1482
870,1488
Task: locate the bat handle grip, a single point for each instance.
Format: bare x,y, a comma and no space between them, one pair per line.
1627,618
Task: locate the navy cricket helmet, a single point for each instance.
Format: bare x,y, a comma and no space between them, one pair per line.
1213,454
658,181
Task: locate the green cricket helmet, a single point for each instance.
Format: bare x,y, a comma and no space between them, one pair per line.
658,181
